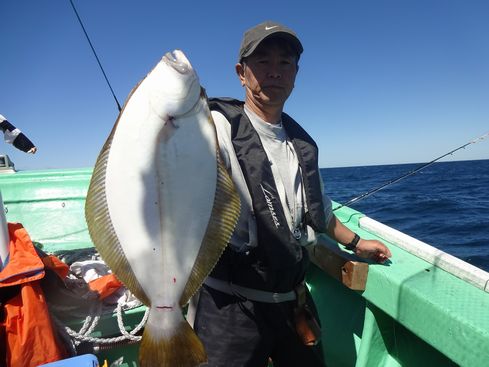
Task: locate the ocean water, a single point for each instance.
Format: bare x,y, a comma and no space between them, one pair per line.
445,205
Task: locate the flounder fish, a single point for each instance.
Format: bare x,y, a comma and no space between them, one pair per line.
161,206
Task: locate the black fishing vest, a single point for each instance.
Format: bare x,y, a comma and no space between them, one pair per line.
278,263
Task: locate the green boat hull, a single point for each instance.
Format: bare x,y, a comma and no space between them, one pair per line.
411,312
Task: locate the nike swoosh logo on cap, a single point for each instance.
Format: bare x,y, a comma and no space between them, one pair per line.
268,28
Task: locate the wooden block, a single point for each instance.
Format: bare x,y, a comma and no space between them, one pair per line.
340,265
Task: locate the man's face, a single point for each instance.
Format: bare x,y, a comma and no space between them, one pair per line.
268,75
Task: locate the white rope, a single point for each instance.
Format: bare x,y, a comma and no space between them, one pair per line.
122,328
91,321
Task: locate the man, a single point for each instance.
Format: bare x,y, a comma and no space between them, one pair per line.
248,306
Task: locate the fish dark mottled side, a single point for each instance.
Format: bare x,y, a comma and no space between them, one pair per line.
161,206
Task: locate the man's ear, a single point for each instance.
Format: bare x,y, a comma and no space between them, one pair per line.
240,68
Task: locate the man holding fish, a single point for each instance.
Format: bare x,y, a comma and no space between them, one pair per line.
254,305
257,203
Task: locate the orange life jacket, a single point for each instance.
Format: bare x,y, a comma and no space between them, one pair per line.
27,336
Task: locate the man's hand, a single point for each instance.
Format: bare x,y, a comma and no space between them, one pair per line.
367,249
372,249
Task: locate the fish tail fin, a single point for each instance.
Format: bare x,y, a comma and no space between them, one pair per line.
165,345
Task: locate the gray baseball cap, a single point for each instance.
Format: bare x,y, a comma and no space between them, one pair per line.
254,36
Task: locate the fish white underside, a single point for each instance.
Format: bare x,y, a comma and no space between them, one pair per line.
161,207
153,179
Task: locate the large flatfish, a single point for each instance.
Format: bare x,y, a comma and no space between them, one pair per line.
161,206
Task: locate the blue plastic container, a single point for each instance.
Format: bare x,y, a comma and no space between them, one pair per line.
85,360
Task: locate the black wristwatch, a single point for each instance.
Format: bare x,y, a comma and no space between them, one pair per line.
353,244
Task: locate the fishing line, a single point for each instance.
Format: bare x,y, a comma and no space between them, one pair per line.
373,191
96,57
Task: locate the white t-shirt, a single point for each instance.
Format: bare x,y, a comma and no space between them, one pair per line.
284,165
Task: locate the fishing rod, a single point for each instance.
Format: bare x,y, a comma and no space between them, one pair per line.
410,173
96,57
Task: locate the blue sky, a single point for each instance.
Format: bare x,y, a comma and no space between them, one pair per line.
379,82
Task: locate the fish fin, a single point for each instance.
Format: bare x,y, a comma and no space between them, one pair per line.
100,225
223,219
175,346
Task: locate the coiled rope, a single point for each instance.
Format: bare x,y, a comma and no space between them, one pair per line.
75,338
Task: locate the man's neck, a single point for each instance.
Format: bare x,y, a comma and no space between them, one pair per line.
270,114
